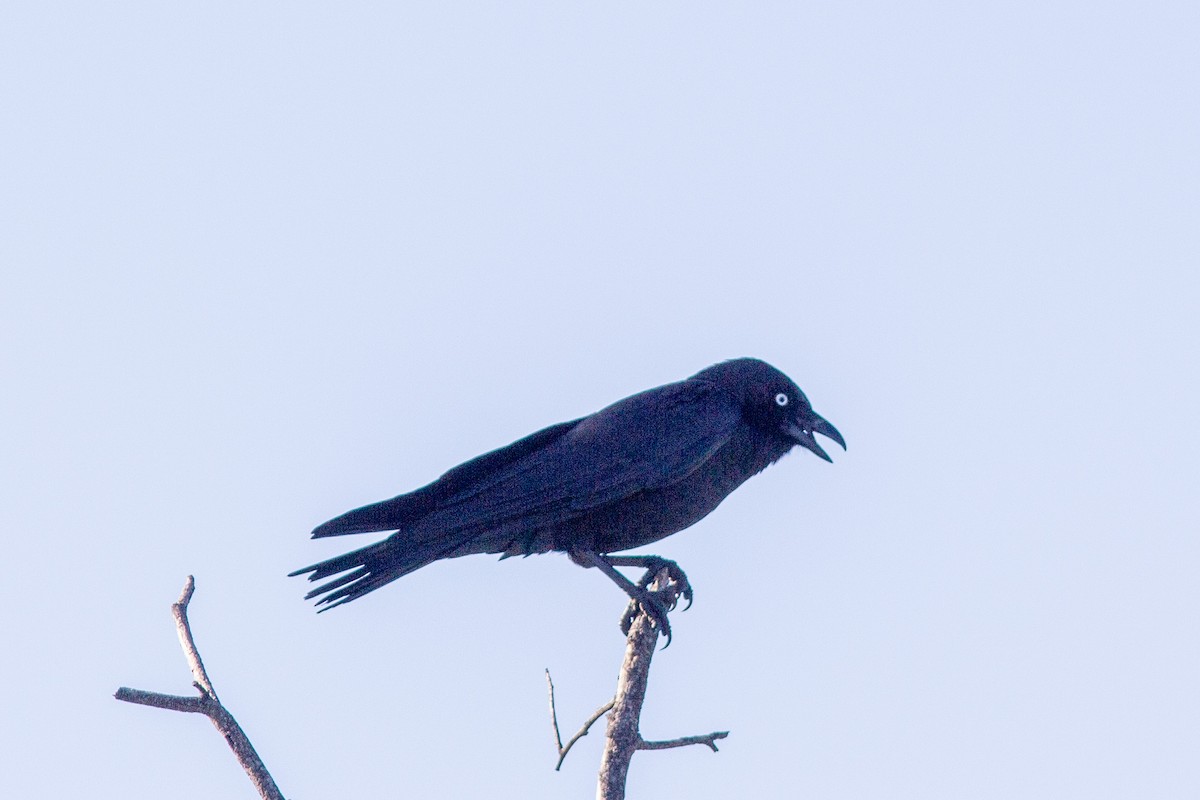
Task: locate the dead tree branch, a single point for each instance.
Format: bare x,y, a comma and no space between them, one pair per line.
582,732
624,738
206,702
708,739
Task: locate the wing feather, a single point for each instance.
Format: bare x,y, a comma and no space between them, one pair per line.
459,483
644,442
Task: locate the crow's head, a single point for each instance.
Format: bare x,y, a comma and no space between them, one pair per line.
773,403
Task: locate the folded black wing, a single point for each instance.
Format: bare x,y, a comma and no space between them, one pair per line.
401,511
643,442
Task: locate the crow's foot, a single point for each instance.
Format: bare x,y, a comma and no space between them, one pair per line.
655,606
683,588
658,602
655,603
653,565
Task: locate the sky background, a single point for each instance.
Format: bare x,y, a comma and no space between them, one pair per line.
266,262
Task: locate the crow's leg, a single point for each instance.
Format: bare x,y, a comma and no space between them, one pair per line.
651,602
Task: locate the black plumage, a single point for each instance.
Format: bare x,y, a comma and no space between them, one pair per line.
628,475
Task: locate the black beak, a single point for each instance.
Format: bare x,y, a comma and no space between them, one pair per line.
802,433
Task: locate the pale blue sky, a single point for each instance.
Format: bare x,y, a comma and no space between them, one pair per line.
264,263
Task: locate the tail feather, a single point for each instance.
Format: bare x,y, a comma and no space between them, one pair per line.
349,577
369,568
366,569
362,585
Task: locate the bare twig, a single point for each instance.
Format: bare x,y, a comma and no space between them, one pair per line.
171,702
184,629
582,732
624,738
206,703
708,739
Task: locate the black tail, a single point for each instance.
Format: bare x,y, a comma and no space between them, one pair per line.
366,570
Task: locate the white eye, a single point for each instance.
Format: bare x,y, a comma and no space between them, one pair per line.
781,399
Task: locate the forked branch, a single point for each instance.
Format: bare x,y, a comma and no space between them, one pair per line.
206,702
582,732
624,738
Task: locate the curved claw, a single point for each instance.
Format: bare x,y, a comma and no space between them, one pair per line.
677,576
652,608
665,630
631,612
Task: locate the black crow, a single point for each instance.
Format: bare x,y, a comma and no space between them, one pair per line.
630,474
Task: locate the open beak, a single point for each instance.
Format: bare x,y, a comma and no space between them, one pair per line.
802,434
